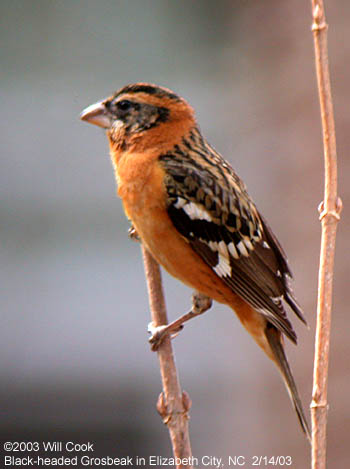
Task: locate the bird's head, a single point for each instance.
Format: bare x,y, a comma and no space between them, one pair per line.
141,114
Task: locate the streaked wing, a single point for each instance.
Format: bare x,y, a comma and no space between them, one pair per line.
208,204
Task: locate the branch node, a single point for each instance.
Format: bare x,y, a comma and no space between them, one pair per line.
319,23
163,409
319,405
186,401
168,415
331,213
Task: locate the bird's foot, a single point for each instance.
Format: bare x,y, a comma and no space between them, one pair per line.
158,333
133,235
200,304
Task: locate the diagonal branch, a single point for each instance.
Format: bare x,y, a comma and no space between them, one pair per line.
173,405
329,215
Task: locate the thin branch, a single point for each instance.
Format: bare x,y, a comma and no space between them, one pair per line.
329,215
173,405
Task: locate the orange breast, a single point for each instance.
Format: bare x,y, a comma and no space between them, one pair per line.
143,194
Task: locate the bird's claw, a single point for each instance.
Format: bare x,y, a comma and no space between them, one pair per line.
158,334
133,235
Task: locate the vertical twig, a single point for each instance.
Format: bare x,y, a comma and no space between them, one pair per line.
173,405
329,216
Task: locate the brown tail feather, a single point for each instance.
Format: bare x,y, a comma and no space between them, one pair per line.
274,338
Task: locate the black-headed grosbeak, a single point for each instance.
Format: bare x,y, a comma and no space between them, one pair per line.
194,215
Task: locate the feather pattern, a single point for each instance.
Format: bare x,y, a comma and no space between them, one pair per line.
210,207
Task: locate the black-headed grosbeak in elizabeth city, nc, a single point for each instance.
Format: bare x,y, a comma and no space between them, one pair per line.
194,215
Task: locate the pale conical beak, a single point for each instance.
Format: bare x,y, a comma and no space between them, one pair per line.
97,114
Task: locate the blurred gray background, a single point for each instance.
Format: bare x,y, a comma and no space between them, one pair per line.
75,362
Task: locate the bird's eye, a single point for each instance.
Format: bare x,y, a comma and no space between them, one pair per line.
124,105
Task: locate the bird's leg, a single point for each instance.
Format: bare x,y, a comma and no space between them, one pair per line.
200,304
133,235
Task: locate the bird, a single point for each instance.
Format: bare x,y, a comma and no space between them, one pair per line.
194,215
